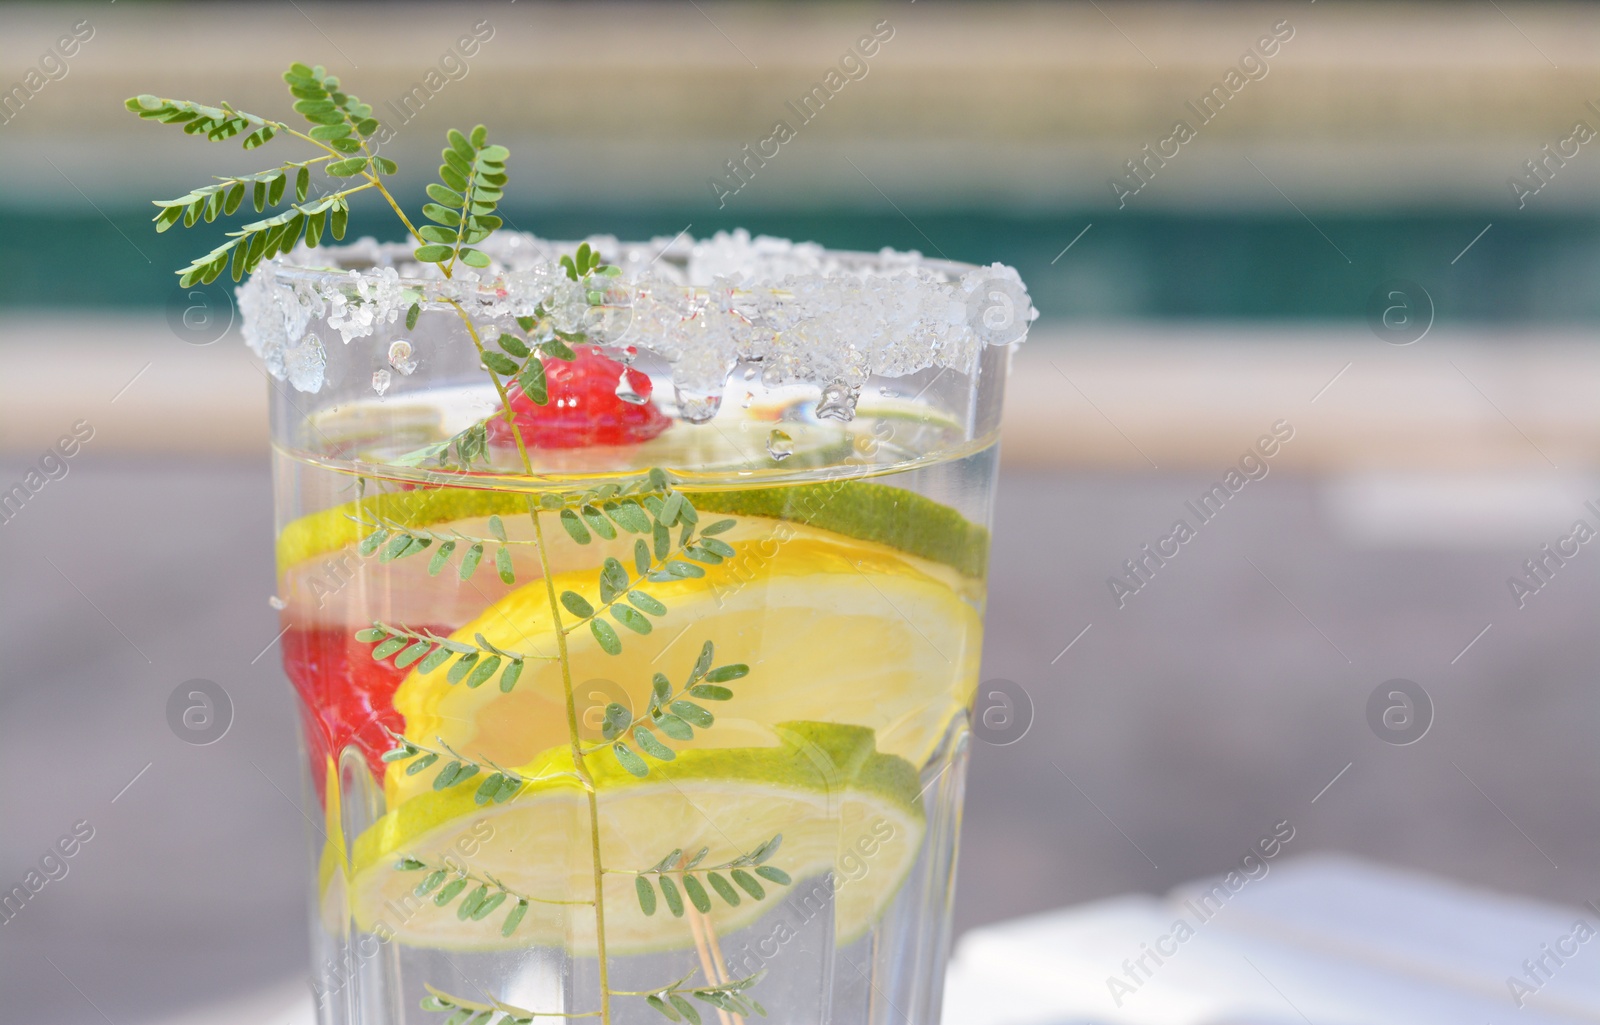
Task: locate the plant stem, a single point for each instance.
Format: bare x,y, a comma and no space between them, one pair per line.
371,177
407,222
561,638
566,684
582,767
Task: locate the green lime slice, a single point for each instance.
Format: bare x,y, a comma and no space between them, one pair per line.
900,519
826,791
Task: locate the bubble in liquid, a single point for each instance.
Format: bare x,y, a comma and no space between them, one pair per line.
779,445
380,381
626,391
838,402
277,602
400,357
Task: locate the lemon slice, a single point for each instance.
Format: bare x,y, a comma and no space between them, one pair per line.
824,789
406,591
831,629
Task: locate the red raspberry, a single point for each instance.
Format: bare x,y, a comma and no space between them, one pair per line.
583,409
345,696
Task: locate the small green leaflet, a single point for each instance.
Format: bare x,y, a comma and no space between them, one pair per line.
605,636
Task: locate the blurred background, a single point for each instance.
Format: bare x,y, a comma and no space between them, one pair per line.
1385,233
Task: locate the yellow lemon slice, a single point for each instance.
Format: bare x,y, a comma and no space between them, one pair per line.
441,871
832,630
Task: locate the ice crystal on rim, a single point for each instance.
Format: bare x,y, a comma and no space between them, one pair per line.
804,314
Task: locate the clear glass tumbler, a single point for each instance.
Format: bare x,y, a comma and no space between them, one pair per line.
648,700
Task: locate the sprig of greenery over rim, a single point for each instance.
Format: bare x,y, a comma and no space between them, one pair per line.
472,179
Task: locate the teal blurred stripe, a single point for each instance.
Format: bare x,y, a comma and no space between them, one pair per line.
1128,265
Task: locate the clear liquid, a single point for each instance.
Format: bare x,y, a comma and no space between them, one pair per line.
854,595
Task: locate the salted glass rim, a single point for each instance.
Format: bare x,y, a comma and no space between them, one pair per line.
367,254
808,315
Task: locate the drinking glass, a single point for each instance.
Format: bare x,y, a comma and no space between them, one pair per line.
650,701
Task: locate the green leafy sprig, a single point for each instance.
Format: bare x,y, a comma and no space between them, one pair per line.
471,183
460,451
498,787
474,664
622,595
520,359
695,880
340,121
449,883
340,124
265,239
670,711
476,904
391,541
731,996
266,189
584,266
523,358
460,215
669,1000
217,124
582,263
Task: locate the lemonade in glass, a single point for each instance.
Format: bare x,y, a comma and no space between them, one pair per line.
648,700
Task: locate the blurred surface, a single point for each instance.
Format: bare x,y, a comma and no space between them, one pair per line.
1398,104
1350,940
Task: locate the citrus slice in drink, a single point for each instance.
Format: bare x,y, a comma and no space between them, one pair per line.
830,628
333,583
824,790
862,509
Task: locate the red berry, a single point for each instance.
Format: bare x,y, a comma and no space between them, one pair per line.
584,408
346,697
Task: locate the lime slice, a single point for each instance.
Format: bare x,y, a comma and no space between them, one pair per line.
824,790
856,508
829,627
862,509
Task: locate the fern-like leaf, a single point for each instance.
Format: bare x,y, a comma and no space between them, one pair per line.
471,183
264,239
338,119
670,712
217,124
266,188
